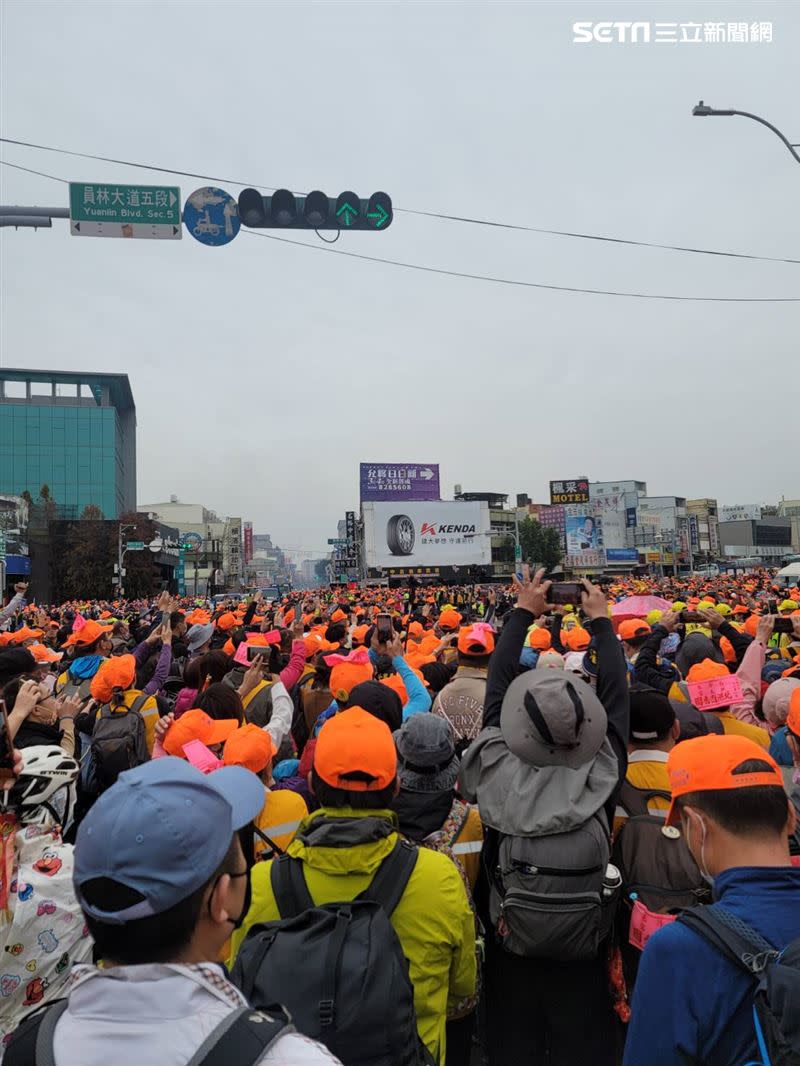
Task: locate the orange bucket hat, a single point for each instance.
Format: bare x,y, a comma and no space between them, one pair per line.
114,674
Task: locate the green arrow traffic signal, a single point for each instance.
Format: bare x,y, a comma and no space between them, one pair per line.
381,214
349,213
284,210
348,207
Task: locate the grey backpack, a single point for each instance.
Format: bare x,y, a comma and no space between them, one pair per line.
548,899
119,742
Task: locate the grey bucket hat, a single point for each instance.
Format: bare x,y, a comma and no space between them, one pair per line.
551,718
427,756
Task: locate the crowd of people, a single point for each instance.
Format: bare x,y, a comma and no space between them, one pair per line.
440,826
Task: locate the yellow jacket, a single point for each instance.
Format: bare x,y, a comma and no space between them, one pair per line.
433,920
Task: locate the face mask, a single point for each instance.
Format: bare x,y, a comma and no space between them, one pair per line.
248,897
707,877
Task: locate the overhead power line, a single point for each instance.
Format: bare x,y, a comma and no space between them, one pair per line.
413,211
525,284
325,247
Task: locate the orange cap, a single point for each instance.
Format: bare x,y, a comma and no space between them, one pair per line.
476,639
250,747
706,764
360,635
197,725
707,670
751,625
577,639
113,674
345,676
727,650
19,636
289,617
355,742
43,654
395,683
88,634
793,717
540,639
450,619
227,621
315,642
416,629
633,627
741,609
338,615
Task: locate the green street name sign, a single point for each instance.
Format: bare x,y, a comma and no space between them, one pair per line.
109,210
134,545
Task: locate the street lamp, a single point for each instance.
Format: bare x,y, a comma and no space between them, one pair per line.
702,110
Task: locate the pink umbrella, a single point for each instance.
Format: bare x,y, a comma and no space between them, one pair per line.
638,607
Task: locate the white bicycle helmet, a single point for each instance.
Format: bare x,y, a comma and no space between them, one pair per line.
46,769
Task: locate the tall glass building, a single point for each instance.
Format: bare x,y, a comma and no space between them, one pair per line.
75,433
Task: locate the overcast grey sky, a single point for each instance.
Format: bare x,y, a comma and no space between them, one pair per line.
263,373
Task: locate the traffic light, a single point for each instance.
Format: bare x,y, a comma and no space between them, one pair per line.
284,210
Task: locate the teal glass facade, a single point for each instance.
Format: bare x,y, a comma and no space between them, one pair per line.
82,451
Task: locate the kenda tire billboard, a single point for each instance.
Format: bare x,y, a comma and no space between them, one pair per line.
402,534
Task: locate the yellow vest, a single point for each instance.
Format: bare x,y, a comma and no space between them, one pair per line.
148,710
732,725
280,817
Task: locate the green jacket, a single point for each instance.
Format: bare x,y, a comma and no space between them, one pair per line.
433,920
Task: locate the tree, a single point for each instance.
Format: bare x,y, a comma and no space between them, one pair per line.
321,571
49,505
85,565
142,576
541,545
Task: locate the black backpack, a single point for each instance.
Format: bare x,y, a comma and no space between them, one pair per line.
657,869
119,742
775,974
243,1038
338,967
548,897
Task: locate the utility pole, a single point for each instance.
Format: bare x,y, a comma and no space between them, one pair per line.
121,555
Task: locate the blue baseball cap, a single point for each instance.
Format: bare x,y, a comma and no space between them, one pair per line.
162,830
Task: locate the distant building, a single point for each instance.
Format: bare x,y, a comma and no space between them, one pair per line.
72,431
704,527
769,538
217,544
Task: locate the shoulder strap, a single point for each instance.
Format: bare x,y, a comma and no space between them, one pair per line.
634,800
457,819
289,886
251,695
394,873
243,1037
32,1044
732,937
139,702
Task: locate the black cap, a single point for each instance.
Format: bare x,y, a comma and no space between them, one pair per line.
13,662
652,714
378,700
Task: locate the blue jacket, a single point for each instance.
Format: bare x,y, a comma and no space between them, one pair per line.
690,1004
779,747
418,698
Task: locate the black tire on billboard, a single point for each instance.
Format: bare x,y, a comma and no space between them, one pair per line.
400,535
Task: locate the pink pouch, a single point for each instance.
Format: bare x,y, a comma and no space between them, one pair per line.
201,757
644,923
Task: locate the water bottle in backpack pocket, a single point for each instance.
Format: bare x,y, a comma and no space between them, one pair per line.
551,897
659,877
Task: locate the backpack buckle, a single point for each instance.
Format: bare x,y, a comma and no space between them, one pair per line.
326,1012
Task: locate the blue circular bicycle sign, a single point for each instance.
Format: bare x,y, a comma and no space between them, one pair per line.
211,216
